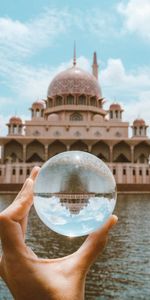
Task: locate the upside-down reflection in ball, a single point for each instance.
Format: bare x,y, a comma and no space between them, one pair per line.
74,193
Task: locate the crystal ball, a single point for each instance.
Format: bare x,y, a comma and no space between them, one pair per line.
74,193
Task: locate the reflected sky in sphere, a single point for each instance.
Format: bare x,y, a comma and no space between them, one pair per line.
74,193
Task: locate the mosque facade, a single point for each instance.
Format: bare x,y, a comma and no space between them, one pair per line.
73,117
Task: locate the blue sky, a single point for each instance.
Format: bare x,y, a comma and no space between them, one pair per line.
36,42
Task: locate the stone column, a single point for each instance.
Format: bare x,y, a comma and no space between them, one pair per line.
120,173
46,152
89,148
68,147
144,173
2,154
24,152
8,173
132,153
17,177
11,129
128,174
111,153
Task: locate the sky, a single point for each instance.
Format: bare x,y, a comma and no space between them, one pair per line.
36,42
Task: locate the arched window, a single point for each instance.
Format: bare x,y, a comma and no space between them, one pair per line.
111,114
58,100
76,117
93,101
124,171
15,129
82,100
28,172
50,102
142,159
114,171
135,130
20,172
14,157
37,113
70,99
13,172
141,130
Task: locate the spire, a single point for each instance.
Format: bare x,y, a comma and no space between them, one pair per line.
74,55
95,59
95,65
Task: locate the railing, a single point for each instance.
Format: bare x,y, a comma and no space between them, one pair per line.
124,173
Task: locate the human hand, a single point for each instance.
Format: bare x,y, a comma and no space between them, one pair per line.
31,278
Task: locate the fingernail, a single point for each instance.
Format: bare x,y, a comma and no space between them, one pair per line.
34,172
114,221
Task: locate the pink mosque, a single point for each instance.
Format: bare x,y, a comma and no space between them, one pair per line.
73,117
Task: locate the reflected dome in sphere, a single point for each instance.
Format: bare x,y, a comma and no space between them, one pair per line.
74,193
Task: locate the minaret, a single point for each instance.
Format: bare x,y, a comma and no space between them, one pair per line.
74,55
95,65
139,128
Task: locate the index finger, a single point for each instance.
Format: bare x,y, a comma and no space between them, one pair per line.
14,218
21,205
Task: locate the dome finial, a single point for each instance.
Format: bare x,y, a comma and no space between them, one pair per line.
74,54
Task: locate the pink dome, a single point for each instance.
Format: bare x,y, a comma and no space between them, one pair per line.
139,122
74,81
15,120
38,105
115,106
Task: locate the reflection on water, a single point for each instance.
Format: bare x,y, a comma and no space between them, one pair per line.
123,271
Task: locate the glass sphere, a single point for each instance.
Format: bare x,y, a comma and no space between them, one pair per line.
74,193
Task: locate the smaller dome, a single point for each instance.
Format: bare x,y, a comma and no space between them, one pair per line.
139,122
15,120
38,105
98,118
53,117
115,106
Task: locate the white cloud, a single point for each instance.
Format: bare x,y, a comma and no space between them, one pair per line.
6,101
3,122
30,83
100,23
136,15
130,89
115,77
18,38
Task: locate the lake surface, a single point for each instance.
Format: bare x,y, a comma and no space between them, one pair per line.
123,271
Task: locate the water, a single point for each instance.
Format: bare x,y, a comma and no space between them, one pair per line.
74,193
123,271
